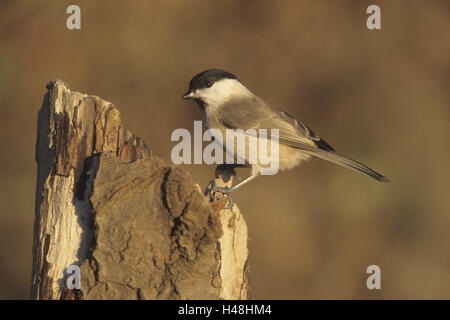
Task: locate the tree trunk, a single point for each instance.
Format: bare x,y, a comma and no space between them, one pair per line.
137,227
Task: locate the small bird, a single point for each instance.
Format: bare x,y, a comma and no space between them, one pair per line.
226,103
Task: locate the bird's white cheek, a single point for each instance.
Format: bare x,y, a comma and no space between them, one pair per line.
222,91
210,97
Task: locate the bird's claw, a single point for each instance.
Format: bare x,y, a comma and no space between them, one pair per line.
227,191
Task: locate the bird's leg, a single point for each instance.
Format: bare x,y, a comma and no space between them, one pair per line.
228,191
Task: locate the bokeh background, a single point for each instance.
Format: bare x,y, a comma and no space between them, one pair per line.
381,97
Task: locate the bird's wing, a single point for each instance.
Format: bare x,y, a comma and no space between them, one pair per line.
257,114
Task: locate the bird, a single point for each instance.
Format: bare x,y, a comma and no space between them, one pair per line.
226,103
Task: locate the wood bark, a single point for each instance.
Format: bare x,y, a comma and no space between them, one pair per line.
137,227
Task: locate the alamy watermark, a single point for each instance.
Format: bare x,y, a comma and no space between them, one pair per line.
373,22
73,277
73,21
240,146
374,280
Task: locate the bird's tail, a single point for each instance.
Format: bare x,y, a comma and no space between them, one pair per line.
347,163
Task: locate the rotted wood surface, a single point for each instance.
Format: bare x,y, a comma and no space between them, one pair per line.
137,227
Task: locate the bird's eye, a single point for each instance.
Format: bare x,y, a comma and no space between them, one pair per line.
209,84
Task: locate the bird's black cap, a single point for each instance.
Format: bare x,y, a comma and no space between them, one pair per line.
207,78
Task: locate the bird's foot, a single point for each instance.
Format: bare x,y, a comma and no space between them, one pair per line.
227,191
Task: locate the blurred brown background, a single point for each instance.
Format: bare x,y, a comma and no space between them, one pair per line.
381,97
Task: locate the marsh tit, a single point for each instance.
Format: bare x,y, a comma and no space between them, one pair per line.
226,103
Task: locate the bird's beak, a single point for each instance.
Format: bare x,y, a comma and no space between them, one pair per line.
188,95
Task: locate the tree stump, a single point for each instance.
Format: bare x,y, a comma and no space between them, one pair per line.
137,227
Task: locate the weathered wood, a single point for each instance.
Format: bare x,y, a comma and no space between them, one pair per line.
233,242
138,227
